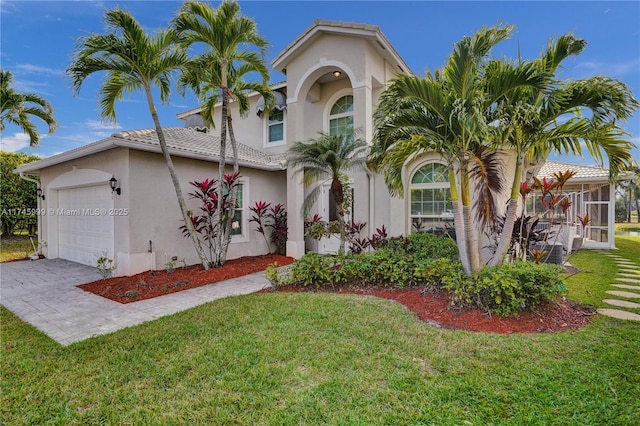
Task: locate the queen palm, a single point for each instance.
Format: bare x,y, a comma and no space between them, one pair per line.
328,158
133,61
450,111
530,122
229,39
19,108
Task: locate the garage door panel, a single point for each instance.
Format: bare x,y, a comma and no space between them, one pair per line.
85,229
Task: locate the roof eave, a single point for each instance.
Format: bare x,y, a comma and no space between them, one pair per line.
36,166
185,114
371,32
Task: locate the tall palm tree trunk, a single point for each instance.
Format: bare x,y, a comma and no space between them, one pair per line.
176,182
219,219
458,222
512,207
233,194
469,228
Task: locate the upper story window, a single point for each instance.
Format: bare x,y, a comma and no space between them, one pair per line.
431,206
275,127
341,116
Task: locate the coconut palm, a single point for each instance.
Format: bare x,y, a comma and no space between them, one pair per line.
451,111
18,108
230,40
534,122
133,61
328,158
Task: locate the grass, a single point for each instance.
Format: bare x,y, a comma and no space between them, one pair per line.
14,248
283,358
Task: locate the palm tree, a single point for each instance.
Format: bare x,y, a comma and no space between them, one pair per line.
18,108
203,76
328,158
134,61
230,40
451,111
530,122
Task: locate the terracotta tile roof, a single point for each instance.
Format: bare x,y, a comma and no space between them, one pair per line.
582,172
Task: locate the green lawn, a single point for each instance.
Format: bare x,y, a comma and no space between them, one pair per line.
14,248
283,358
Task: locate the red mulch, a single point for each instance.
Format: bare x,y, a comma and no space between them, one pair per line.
433,308
147,285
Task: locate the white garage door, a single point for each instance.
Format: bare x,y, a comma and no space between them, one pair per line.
85,227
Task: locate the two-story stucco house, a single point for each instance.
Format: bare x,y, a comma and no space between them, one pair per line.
335,73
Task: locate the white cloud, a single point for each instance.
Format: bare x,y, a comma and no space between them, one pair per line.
7,7
14,143
610,69
36,69
99,125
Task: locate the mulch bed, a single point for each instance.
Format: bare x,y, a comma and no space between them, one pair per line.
433,308
147,285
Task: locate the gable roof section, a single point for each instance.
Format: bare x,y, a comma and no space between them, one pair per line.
370,32
181,141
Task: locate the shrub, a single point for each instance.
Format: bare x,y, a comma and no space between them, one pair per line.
312,269
438,272
508,289
402,262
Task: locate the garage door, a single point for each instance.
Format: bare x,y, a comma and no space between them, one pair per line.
85,227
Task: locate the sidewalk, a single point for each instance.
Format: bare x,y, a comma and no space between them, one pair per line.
44,294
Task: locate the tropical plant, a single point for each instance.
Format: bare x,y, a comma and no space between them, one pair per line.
450,112
230,42
328,158
274,218
134,60
206,225
18,109
535,122
475,105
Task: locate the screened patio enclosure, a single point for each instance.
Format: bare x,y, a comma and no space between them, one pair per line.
589,192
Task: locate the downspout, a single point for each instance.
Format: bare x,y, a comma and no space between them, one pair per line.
371,202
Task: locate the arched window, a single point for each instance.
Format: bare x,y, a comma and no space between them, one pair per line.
431,206
341,116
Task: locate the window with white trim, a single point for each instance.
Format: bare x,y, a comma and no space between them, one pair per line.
238,216
431,206
275,127
341,116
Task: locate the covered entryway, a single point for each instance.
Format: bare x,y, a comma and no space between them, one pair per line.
85,225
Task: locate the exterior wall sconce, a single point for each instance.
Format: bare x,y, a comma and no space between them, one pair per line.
113,183
40,193
337,73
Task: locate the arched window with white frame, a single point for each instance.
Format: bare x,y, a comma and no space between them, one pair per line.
341,116
431,207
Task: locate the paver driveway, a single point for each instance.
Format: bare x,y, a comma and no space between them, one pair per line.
44,294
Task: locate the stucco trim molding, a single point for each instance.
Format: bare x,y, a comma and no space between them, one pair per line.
78,178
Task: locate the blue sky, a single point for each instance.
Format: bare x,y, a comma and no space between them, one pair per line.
38,37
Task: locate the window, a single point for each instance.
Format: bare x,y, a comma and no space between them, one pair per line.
431,206
236,225
275,127
341,116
